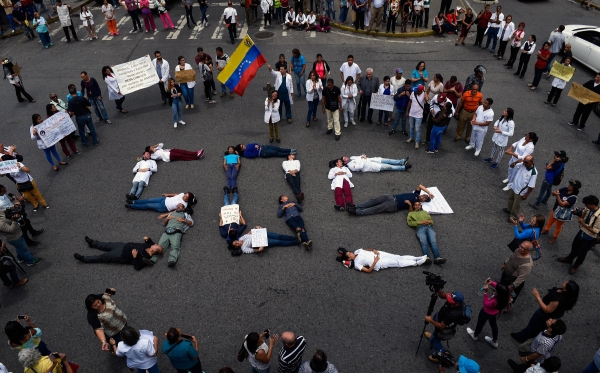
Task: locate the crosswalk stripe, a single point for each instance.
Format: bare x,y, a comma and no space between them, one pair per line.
243,32
218,33
175,34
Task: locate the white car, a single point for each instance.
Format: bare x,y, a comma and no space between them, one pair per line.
585,44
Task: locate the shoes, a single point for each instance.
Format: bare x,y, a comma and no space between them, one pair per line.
434,359
392,132
270,140
289,120
573,270
427,261
346,125
505,181
407,166
494,166
553,105
37,233
571,124
514,366
546,102
477,152
78,257
34,244
89,241
416,145
534,206
187,106
98,120
429,152
506,188
306,246
234,190
211,102
351,210
293,151
171,264
339,208
506,210
127,206
223,95
491,341
370,121
175,125
361,120
410,139
564,259
487,160
471,332
439,260
596,141
337,137
278,140
309,245
580,128
22,282
469,147
108,121
214,92
353,122
405,133
328,132
225,190
35,261
181,122
200,153
231,95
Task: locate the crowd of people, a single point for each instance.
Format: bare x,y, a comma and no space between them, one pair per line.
426,104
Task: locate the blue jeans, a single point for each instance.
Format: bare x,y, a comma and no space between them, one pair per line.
296,222
137,188
224,88
176,109
153,369
426,236
343,13
491,35
45,38
436,137
549,62
392,167
22,250
231,174
203,10
275,239
545,192
11,21
234,201
399,114
82,121
27,30
592,368
288,108
156,204
330,10
49,152
415,128
254,370
313,106
300,82
436,344
98,106
187,93
274,151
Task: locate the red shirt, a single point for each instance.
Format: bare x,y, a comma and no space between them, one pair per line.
451,17
541,64
451,95
484,19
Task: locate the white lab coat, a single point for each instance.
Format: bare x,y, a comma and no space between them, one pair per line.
338,180
265,4
288,82
346,91
309,87
83,17
164,69
272,113
113,87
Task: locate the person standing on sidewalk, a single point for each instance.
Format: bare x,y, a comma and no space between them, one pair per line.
64,15
90,87
493,28
377,14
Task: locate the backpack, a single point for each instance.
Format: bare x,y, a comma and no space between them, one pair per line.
559,177
465,316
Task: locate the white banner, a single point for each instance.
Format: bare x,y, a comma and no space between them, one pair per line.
55,128
135,75
438,204
382,102
6,167
230,214
259,237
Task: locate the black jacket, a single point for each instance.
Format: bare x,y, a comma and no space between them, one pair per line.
169,94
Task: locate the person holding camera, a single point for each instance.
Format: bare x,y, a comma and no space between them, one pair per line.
492,305
177,223
516,269
10,229
138,254
563,208
462,365
105,318
34,362
445,322
28,188
182,351
25,337
589,227
15,204
257,352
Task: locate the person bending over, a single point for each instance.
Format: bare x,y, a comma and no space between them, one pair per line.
369,260
391,202
139,254
376,164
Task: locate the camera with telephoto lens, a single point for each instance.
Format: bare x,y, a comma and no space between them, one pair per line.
435,282
577,212
16,210
446,359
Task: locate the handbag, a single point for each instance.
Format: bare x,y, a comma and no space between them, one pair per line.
242,353
563,213
25,187
536,251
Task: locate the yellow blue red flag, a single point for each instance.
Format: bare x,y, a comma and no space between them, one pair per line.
242,66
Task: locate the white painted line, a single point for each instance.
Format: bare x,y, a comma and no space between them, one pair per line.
243,32
283,33
178,27
196,31
313,34
218,33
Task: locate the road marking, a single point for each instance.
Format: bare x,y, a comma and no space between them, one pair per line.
175,34
243,32
313,34
152,37
218,33
283,33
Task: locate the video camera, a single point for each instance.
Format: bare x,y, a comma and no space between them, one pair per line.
17,209
446,359
435,282
577,212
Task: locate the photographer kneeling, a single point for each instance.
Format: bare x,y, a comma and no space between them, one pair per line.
9,205
462,365
445,322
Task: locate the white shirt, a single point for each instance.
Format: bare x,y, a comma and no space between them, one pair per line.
364,258
559,83
288,82
259,365
519,34
40,143
482,115
532,47
300,18
247,243
186,67
416,110
113,87
139,355
164,69
507,128
109,12
510,28
348,70
346,91
162,154
523,179
338,180
287,166
3,368
5,202
379,3
417,5
172,202
360,164
290,16
272,111
495,17
265,4
63,15
436,106
21,176
522,150
382,89
144,176
230,12
84,17
397,83
311,19
310,95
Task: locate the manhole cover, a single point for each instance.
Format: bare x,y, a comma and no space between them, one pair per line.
264,35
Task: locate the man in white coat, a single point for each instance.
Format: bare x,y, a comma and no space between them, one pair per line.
64,16
285,90
376,164
162,70
143,170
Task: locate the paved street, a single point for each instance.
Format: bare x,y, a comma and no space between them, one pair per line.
364,322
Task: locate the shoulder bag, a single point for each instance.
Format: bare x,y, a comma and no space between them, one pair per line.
25,186
536,251
564,213
172,347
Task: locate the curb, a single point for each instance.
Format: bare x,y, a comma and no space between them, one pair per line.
53,20
385,34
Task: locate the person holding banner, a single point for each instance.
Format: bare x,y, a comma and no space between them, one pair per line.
50,111
230,232
187,89
48,150
385,89
558,85
583,110
114,93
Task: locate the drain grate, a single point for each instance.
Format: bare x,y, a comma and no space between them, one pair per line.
264,35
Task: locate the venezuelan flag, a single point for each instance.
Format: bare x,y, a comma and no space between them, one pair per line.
242,66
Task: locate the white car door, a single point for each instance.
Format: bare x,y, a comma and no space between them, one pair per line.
581,45
593,60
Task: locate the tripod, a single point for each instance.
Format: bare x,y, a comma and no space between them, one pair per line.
434,298
4,252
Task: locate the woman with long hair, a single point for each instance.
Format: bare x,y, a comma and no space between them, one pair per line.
88,21
147,14
25,337
543,55
492,305
526,232
515,44
349,93
503,129
231,163
314,90
387,89
466,22
114,92
558,85
106,319
27,187
272,116
257,351
186,88
48,150
50,111
552,306
565,198
519,150
174,91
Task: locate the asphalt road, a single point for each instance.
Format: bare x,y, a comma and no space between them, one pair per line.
364,322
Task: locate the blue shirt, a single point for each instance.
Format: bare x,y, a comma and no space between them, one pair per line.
289,212
282,92
231,158
239,229
551,174
415,75
298,63
70,96
411,197
252,151
527,233
183,356
402,102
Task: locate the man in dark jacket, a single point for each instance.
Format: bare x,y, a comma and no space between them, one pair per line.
20,16
139,254
90,87
583,110
367,85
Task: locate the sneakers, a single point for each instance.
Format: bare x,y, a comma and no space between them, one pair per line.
506,188
108,121
35,261
338,207
416,145
439,260
181,122
471,332
505,181
534,206
477,152
200,153
494,166
469,147
175,125
22,282
410,139
491,341
223,95
306,246
434,359
571,124
78,257
353,122
487,160
429,151
546,102
171,264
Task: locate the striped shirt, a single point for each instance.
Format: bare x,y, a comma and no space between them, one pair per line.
290,358
543,344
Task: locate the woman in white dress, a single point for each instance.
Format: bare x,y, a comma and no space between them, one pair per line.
349,92
114,93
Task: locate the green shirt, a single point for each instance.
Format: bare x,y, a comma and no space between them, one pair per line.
415,218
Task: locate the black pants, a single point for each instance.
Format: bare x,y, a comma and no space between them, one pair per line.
523,61
479,37
502,47
513,55
298,7
506,280
135,19
195,369
207,89
66,30
163,93
486,317
267,17
294,182
391,22
579,249
417,19
364,101
445,7
360,20
113,253
583,112
554,92
188,16
232,32
426,21
27,228
20,90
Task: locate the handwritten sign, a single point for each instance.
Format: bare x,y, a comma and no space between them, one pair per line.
561,71
55,128
135,75
582,94
184,76
259,237
438,204
17,69
6,167
382,102
230,214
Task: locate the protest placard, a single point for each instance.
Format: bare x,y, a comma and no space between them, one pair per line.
259,237
135,75
582,94
230,214
438,204
382,102
6,167
16,69
53,129
561,71
184,76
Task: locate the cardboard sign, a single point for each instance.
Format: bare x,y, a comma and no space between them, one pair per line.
582,94
438,204
382,102
17,69
55,128
259,237
230,214
185,76
6,167
135,75
561,71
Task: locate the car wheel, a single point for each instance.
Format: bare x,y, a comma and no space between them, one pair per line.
597,109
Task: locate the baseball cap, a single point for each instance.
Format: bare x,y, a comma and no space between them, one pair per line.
560,153
399,70
455,297
441,97
575,183
420,88
466,365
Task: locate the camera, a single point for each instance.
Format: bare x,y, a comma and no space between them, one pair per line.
446,359
577,212
435,282
19,210
267,334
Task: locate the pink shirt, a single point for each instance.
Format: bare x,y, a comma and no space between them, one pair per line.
489,303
